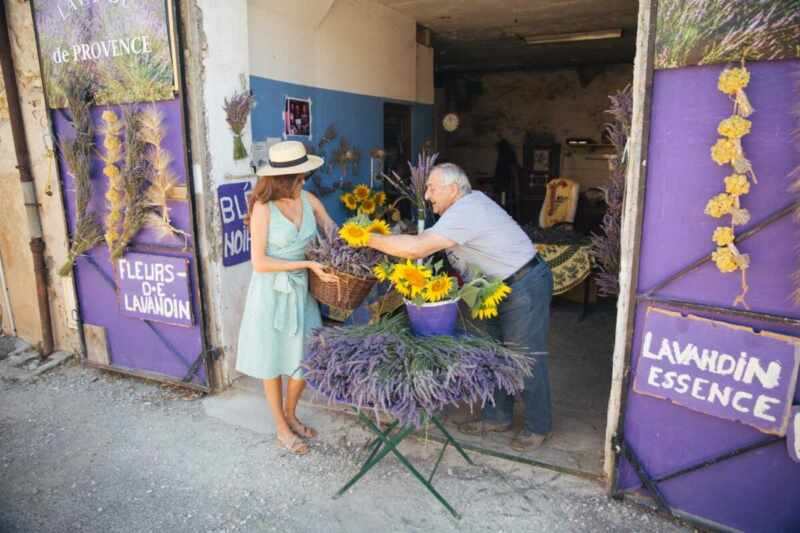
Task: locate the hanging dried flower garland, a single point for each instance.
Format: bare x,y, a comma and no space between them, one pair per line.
78,155
163,182
115,194
728,151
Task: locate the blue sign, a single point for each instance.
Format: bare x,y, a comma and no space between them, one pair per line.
235,235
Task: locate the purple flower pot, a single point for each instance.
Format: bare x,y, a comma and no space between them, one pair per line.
433,318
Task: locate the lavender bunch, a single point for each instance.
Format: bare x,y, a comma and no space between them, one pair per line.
386,368
332,251
237,110
414,189
605,248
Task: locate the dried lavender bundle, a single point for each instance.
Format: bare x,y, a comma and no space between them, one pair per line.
237,110
386,368
606,246
135,172
331,250
78,155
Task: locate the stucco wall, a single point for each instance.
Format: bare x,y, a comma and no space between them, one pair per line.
553,103
14,237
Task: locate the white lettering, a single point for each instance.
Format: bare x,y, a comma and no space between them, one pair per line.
696,386
769,379
227,208
763,403
721,395
653,376
737,401
665,351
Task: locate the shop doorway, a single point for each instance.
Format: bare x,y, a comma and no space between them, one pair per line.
529,91
396,137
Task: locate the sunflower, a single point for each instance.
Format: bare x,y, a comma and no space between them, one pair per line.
380,198
349,201
723,236
734,127
367,206
733,79
380,227
410,279
438,288
354,235
381,272
484,311
498,294
361,192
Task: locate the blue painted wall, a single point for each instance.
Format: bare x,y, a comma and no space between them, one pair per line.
358,118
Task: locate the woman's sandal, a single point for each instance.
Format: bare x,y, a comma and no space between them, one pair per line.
302,430
294,444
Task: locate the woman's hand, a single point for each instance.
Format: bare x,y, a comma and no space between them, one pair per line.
320,271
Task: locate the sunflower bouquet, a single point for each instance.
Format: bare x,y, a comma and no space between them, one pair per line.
427,283
364,201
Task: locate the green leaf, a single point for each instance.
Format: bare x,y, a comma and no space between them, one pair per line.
470,295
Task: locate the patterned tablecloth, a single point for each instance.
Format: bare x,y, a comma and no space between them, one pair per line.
571,264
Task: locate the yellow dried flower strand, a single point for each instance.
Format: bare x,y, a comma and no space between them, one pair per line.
732,80
720,205
380,198
737,185
725,260
734,127
723,236
354,235
724,151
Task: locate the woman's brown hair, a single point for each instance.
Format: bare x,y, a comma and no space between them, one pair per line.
270,188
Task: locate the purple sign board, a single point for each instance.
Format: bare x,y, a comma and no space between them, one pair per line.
793,434
233,208
719,369
156,288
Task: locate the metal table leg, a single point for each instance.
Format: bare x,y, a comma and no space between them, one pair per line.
384,444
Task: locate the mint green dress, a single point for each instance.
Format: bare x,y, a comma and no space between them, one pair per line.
279,313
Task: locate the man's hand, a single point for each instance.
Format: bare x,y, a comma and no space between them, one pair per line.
410,246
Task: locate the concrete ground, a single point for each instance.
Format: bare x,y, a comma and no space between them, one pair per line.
580,375
85,450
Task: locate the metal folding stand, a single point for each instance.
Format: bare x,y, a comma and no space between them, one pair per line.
385,443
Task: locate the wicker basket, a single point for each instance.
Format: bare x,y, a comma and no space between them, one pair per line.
348,293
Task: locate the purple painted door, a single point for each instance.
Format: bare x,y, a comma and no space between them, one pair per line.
147,304
757,489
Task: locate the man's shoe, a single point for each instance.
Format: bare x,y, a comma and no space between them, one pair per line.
525,441
479,427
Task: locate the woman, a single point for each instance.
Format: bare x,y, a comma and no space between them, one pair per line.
279,312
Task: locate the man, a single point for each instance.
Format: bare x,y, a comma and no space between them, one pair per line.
475,231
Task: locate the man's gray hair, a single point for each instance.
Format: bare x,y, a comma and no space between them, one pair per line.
452,173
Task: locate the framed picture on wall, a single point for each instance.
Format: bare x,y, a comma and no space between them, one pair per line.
297,117
544,160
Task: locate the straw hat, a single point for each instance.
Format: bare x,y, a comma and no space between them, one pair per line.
289,157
